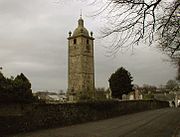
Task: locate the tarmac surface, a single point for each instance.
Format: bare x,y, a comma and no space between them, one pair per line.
154,123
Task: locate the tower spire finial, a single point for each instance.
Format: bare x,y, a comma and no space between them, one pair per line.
81,13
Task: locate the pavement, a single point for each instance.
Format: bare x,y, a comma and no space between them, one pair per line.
154,123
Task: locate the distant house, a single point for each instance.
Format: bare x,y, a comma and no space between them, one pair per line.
178,98
102,94
51,97
108,93
57,98
171,98
134,95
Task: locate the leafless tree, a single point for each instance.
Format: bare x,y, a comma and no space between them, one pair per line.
135,21
169,39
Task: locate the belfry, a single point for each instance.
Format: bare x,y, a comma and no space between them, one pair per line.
80,63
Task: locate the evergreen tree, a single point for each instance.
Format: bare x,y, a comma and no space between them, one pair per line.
22,88
120,83
3,90
15,90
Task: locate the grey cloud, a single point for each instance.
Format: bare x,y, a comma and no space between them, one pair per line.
33,40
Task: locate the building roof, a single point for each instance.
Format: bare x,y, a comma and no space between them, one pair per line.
164,97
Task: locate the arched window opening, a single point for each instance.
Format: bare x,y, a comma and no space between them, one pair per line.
75,41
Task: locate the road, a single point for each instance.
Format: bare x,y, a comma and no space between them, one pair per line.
154,123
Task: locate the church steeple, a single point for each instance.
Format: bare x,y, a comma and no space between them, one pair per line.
80,62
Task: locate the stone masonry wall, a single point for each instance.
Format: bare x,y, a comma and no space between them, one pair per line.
41,116
81,65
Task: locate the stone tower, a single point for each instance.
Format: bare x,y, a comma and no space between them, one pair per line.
80,63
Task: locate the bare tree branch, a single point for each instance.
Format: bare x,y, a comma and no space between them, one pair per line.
140,20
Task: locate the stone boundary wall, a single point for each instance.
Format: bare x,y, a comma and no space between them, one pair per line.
42,116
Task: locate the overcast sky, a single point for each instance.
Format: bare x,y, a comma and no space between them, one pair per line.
33,40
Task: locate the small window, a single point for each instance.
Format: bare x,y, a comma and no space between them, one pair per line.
87,41
75,41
